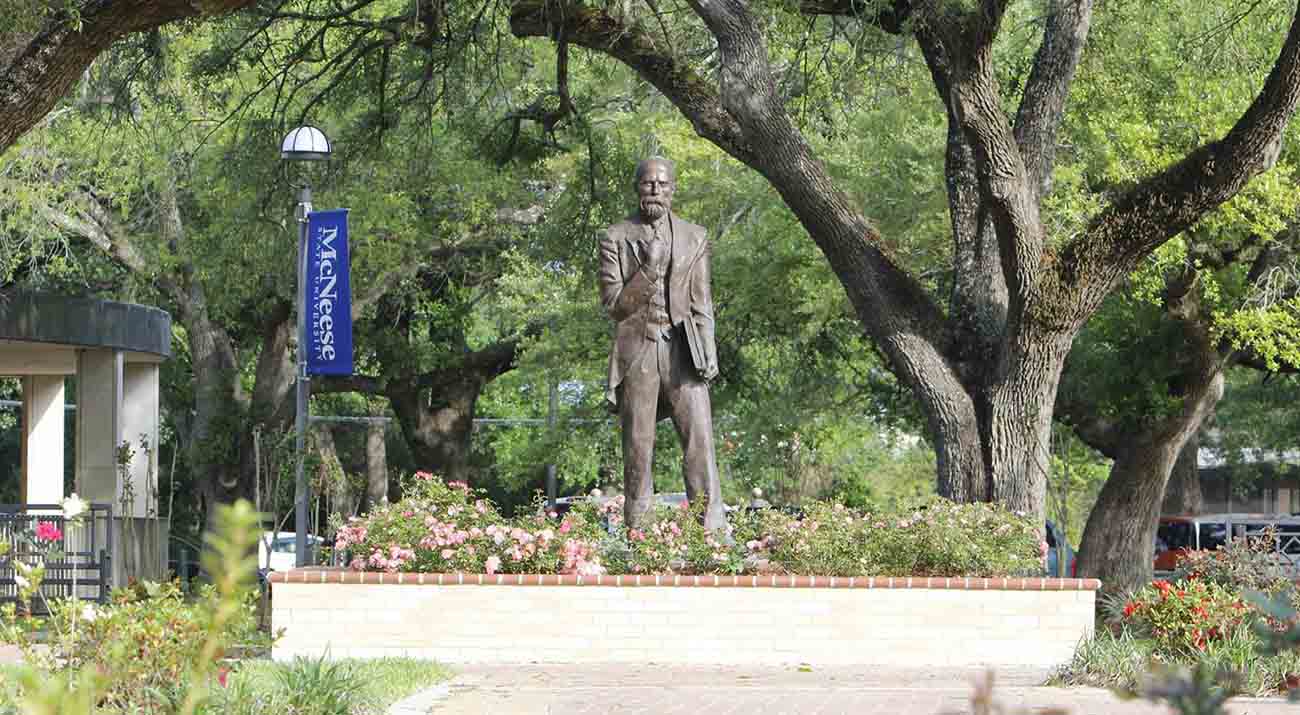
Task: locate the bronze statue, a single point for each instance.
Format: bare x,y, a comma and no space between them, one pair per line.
654,284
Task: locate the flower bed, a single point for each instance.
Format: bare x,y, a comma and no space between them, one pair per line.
1228,617
448,528
443,575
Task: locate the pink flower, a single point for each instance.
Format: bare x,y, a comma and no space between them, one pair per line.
221,676
459,485
566,526
447,553
426,476
47,531
492,564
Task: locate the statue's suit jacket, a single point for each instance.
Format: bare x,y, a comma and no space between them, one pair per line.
625,292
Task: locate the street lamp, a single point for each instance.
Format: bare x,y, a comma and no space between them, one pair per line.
306,143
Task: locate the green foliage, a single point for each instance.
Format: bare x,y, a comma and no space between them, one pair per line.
673,539
149,650
19,18
145,643
313,686
308,686
1272,333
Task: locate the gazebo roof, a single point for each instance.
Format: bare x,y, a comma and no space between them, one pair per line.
85,322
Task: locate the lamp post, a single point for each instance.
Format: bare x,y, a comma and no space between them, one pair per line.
306,143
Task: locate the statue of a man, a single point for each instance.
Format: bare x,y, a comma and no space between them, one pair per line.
654,284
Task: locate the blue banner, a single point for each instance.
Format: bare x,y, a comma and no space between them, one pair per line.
329,294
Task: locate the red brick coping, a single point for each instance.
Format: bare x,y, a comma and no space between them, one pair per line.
338,575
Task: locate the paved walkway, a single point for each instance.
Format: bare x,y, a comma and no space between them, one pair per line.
578,690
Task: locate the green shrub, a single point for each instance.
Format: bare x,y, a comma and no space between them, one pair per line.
1185,618
150,650
933,538
142,645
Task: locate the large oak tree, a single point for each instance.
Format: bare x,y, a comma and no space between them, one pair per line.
985,361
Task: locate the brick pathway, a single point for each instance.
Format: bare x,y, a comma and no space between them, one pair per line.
579,690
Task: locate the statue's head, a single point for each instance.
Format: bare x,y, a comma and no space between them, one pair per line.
655,181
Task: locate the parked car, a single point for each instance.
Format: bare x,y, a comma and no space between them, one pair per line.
1057,545
278,551
1176,536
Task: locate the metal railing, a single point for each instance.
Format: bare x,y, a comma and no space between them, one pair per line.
81,556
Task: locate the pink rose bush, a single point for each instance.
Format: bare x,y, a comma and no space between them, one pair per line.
448,528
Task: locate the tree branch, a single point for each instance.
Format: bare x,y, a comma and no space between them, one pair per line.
1042,108
42,71
596,29
364,384
1174,199
892,17
99,226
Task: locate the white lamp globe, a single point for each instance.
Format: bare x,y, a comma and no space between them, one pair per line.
306,143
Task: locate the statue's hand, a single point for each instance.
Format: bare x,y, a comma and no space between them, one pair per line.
655,251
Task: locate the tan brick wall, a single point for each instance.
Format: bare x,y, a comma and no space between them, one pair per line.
770,626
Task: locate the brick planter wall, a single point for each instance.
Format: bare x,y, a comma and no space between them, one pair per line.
742,620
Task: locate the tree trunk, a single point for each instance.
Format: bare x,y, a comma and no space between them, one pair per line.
1183,493
219,402
438,423
272,405
331,480
376,466
1119,539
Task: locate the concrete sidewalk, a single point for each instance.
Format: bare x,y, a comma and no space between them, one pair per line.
582,689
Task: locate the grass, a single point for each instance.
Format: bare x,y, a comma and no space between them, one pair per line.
315,686
307,686
1120,661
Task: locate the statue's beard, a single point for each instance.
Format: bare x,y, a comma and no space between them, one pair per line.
652,209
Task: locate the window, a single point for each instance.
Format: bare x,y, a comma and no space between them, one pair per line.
1174,535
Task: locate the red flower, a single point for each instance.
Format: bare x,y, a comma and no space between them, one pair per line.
47,531
221,676
1129,609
